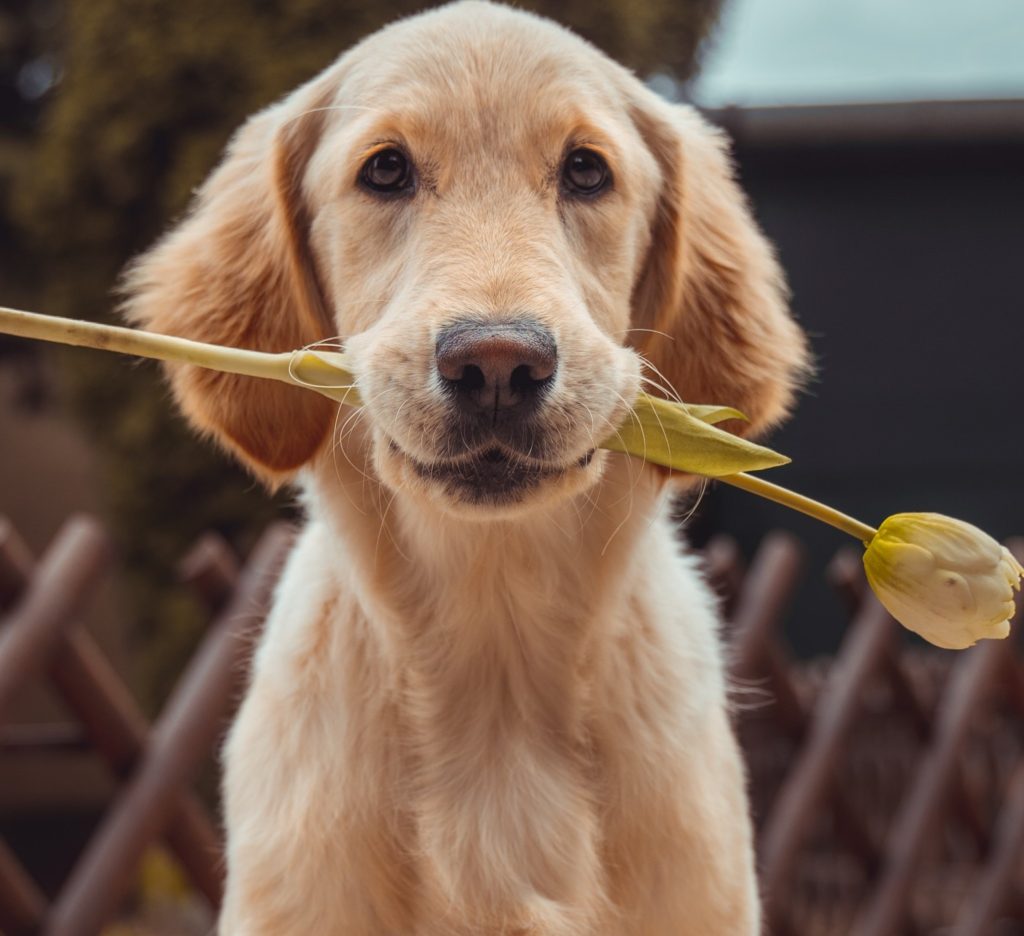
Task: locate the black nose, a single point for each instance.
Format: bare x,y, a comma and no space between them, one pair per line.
496,366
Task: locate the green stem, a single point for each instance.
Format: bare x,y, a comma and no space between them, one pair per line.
144,344
804,505
323,372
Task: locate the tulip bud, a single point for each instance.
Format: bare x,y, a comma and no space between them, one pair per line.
943,579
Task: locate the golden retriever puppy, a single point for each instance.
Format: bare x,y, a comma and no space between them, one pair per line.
490,695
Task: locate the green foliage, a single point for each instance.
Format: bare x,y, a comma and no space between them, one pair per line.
151,91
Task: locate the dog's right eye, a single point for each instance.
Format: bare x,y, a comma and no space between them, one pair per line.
388,172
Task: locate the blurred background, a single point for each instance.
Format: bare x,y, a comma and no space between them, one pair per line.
881,144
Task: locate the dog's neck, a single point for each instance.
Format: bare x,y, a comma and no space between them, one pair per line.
531,588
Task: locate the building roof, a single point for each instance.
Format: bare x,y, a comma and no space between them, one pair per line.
908,122
825,51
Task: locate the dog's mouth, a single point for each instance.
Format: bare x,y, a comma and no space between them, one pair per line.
494,475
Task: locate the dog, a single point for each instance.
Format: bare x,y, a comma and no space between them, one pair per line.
490,696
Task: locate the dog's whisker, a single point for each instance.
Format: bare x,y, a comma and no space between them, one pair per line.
664,433
702,490
666,383
667,392
634,480
758,690
593,424
631,414
383,527
336,443
339,445
650,331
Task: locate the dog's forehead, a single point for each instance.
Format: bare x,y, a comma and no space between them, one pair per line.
477,38
482,71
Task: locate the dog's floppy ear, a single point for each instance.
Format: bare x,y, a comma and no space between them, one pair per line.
711,291
238,271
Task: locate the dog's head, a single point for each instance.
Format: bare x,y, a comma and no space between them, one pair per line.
509,231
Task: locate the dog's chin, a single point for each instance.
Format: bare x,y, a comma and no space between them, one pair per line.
494,482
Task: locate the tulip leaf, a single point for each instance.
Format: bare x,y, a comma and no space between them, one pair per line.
710,413
682,437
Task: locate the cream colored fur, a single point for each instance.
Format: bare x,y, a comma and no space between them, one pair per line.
462,719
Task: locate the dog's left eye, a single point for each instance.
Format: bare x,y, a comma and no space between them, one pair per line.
585,173
387,172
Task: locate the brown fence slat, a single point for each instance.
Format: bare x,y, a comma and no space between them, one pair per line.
767,590
992,892
65,579
845,573
22,904
16,563
724,568
210,568
788,709
813,775
190,724
42,738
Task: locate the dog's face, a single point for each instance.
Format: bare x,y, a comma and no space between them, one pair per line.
489,212
496,218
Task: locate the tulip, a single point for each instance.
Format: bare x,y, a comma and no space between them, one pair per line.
943,579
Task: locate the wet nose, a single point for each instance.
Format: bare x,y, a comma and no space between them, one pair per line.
496,366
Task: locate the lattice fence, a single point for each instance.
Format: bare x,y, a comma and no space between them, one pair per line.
888,783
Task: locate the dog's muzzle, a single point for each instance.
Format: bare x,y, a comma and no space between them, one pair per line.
496,376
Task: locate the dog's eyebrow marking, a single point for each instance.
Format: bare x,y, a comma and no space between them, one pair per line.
379,146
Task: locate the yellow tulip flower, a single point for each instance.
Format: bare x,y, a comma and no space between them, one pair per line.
943,579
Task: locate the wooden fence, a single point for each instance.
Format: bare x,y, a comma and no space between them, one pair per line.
887,783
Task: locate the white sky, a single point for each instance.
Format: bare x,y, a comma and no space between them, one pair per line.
806,51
